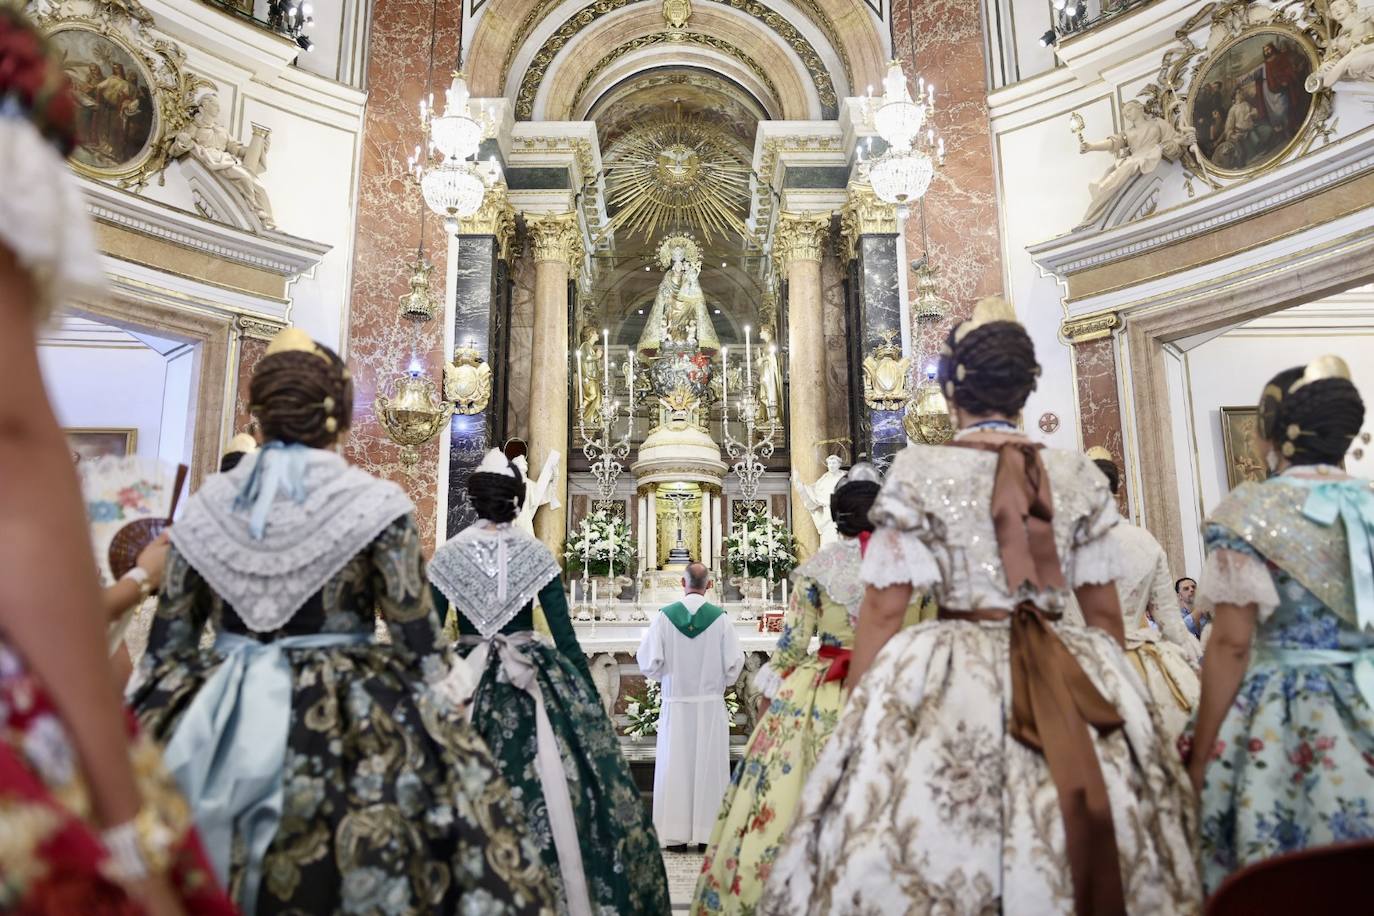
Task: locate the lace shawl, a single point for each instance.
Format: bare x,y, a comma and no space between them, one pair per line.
835,568
489,573
43,216
304,545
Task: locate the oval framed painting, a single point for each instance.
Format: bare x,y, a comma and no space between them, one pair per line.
117,116
1247,101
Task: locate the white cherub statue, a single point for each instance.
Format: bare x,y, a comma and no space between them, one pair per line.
1350,55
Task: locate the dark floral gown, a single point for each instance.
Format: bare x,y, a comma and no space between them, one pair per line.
392,803
620,851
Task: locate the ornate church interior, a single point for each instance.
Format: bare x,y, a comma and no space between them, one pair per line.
687,263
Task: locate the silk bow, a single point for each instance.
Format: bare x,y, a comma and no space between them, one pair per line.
1353,503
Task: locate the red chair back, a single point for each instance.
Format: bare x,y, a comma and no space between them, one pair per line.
1323,881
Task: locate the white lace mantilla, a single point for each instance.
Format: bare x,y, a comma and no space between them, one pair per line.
490,573
43,217
304,545
835,568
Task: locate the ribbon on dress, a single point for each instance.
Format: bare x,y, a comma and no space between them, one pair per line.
280,468
839,658
1354,504
521,672
1053,702
228,752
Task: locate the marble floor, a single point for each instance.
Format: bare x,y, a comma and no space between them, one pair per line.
682,868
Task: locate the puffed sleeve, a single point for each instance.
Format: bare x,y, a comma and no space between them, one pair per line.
1235,573
794,643
1092,559
897,552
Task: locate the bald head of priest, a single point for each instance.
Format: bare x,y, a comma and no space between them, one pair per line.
691,649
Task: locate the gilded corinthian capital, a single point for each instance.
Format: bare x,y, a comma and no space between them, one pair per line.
495,217
800,237
556,237
865,214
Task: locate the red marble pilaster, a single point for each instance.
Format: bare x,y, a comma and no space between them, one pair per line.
1099,401
251,352
381,344
961,205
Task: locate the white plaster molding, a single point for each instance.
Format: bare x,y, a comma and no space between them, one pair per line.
141,283
1089,54
1087,248
276,252
266,54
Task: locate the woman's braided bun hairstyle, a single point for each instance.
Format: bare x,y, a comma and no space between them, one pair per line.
301,394
1312,413
988,364
496,488
852,499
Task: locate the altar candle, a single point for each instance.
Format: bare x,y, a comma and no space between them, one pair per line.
630,360
593,591
574,594
724,384
784,593
606,355
748,360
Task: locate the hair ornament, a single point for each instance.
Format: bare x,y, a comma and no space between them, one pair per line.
1098,453
243,442
949,389
293,339
331,425
960,373
328,404
1329,366
495,462
987,311
1288,449
1293,431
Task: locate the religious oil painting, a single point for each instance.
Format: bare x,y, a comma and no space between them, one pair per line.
88,444
115,107
1241,445
1248,104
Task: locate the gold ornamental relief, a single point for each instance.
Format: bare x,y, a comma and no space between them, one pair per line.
677,13
800,237
467,382
864,214
1093,327
557,237
495,217
886,375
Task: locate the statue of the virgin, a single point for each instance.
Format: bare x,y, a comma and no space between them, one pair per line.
679,314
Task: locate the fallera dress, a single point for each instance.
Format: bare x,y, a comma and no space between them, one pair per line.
1165,657
538,709
927,800
1293,766
806,693
330,766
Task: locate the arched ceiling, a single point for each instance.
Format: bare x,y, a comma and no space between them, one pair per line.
552,59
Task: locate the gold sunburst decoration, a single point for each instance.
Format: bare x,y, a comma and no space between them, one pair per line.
677,171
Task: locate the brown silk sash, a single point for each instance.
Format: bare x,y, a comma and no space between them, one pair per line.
1052,700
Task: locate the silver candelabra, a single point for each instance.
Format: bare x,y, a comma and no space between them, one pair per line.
748,455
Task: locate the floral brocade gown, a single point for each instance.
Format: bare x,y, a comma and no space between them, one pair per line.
620,851
806,699
392,804
1293,766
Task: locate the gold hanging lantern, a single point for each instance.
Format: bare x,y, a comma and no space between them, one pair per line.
927,418
412,413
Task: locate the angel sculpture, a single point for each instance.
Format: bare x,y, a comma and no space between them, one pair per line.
1144,141
237,165
1350,55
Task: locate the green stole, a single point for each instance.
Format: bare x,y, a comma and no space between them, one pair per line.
689,624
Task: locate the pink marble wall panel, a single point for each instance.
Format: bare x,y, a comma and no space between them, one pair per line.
251,352
1099,403
381,345
836,359
521,347
961,205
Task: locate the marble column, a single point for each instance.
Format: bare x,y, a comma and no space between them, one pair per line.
479,309
869,229
557,242
943,41
1099,400
797,249
651,530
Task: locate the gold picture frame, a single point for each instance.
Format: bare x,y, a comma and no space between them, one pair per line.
1241,446
90,442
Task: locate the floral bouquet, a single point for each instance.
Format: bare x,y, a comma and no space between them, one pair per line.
643,711
601,543
761,545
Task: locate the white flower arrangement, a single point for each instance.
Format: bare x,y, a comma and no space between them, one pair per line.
600,544
761,545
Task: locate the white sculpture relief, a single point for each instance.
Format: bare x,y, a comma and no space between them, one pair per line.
238,166
1350,55
1144,141
816,498
606,676
538,493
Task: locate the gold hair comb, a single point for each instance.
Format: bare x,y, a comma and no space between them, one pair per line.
993,308
293,339
1328,366
1098,453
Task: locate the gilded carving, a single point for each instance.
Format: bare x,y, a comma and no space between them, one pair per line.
467,381
886,371
495,217
1093,327
257,328
864,214
677,13
800,237
772,149
557,237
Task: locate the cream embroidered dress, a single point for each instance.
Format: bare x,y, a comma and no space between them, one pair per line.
923,801
1165,658
1293,766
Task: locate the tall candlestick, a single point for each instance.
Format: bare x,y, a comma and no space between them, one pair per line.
580,394
606,355
593,592
630,359
574,594
784,593
748,360
724,386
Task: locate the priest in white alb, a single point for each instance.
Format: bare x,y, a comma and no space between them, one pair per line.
692,650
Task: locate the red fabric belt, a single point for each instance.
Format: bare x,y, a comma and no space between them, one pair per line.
839,663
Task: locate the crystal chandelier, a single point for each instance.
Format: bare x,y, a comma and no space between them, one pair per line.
454,187
903,172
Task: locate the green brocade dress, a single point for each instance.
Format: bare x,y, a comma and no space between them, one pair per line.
619,849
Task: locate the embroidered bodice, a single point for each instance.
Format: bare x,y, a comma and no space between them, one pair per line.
935,527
